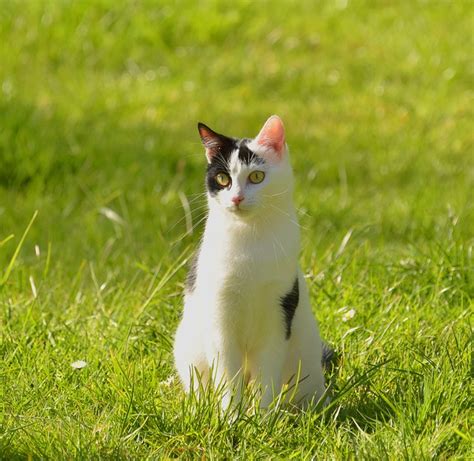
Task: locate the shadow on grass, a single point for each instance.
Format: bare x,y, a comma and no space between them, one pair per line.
37,144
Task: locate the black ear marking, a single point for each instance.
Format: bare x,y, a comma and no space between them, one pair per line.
213,142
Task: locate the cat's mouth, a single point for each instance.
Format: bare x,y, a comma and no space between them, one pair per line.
238,209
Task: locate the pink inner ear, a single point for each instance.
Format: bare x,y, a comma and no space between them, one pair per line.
210,140
272,134
205,132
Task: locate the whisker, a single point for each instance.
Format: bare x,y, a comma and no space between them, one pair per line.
200,221
196,209
187,212
302,212
196,199
199,194
289,216
277,194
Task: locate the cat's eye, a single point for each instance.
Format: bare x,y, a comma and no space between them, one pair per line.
223,179
256,177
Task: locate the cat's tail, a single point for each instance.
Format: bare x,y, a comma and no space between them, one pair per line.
329,358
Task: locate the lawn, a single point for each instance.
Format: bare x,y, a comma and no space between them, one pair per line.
100,157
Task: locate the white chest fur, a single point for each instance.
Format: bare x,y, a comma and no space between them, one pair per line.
243,271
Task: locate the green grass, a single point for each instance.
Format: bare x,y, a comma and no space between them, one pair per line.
98,112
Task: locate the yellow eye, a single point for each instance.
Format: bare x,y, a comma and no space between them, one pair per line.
223,179
256,177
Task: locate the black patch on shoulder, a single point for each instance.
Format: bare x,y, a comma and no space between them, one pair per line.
190,282
289,303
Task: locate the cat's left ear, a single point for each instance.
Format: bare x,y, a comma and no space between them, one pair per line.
213,142
272,136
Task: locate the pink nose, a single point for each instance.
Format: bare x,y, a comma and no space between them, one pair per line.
237,199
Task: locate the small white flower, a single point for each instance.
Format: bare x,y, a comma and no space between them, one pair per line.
168,381
79,364
112,215
348,315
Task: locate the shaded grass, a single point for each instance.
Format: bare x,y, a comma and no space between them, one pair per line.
98,107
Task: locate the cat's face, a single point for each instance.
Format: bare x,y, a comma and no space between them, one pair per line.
248,176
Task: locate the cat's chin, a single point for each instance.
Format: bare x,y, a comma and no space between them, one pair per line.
239,212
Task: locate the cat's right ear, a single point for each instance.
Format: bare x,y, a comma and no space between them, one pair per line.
272,136
212,141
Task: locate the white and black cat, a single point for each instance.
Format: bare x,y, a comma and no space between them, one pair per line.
247,314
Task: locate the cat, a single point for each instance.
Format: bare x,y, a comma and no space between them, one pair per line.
247,314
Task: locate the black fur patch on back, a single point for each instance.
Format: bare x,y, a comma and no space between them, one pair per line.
190,282
289,303
328,359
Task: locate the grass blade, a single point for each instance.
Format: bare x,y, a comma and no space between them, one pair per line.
17,251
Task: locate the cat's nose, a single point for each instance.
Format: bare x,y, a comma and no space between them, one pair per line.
237,199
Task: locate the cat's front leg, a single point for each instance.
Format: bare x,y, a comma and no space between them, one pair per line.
267,368
226,363
190,356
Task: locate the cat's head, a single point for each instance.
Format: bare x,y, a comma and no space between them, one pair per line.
248,176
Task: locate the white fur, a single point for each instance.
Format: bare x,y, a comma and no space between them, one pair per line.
233,322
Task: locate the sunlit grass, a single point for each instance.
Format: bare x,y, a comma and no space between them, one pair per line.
99,157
